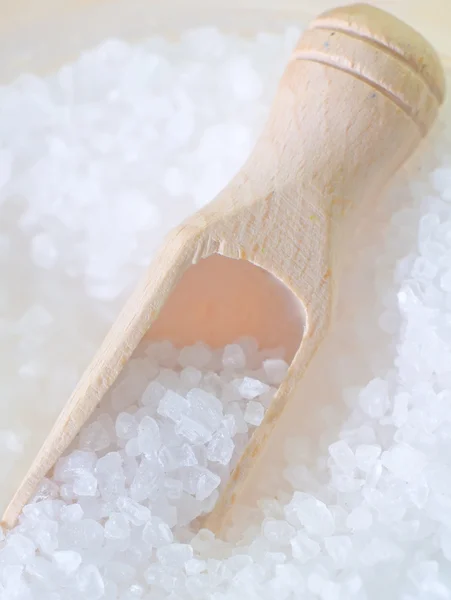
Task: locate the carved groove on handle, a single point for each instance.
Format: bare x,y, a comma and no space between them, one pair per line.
333,62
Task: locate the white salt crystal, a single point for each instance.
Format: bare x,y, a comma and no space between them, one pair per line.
339,548
312,514
133,448
71,512
190,377
90,582
275,370
380,550
194,566
220,448
250,388
233,357
94,437
173,488
173,406
374,399
153,393
23,547
205,408
149,439
175,457
404,461
206,484
117,527
359,519
126,426
85,484
156,533
197,356
194,431
278,532
78,462
254,413
342,455
175,555
304,548
366,456
67,561
136,513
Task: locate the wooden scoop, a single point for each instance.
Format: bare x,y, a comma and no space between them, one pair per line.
359,93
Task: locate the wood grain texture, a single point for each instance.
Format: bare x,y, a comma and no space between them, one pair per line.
358,95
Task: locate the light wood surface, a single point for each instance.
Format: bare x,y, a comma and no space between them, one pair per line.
359,93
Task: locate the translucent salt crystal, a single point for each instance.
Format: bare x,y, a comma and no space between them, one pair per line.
342,455
278,532
190,377
71,512
275,370
126,426
153,393
220,448
312,514
43,251
157,533
149,439
173,406
359,519
47,489
339,548
136,513
236,412
205,408
90,582
304,548
197,356
194,431
228,425
250,388
132,448
374,399
233,357
23,547
86,533
404,461
78,462
85,484
175,457
67,561
94,437
254,413
206,484
173,488
117,527
380,550
366,456
175,555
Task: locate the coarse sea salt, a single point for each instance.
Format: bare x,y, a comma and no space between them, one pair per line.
366,508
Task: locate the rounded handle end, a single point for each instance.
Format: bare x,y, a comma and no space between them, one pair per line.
384,52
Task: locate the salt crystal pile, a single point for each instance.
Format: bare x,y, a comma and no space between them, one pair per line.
365,511
154,458
97,162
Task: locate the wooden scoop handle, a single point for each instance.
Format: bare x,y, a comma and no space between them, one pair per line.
359,93
361,90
